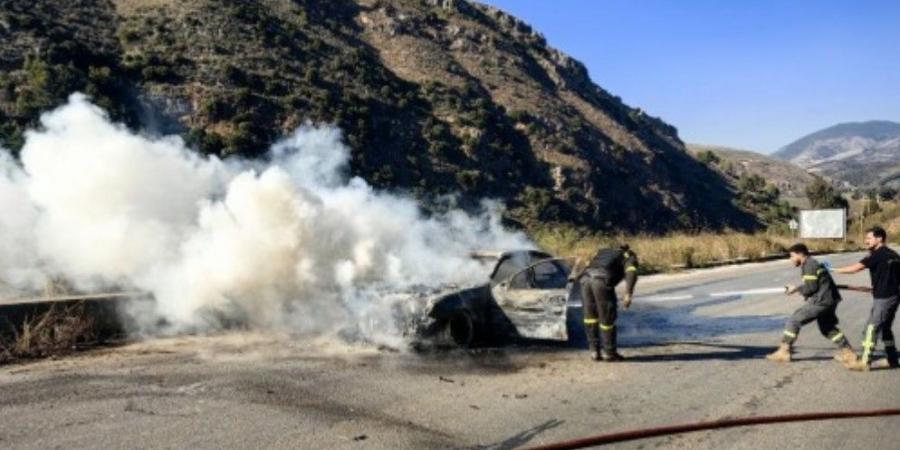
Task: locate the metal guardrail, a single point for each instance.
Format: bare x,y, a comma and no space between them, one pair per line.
71,297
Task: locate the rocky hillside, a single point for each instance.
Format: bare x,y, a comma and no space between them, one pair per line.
790,179
434,97
860,154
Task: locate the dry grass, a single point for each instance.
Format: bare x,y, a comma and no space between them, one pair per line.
681,250
55,331
888,217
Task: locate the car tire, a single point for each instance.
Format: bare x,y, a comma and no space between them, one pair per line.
463,330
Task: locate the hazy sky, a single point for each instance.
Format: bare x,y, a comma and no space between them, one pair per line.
748,74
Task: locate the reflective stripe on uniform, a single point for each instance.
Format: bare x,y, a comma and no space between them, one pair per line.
789,334
810,277
837,337
607,327
631,269
868,344
590,321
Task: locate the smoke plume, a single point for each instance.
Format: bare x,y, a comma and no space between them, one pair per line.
292,242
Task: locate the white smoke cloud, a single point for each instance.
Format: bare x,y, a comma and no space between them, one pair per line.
293,243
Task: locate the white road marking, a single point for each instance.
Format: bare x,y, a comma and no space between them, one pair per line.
666,298
765,291
675,298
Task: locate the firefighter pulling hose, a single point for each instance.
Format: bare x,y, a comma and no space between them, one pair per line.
884,269
821,301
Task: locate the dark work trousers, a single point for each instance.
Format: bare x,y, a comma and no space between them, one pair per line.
600,312
880,321
824,315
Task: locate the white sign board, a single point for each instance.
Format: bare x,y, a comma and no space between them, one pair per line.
823,224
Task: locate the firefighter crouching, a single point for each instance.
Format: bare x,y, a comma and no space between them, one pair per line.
598,280
822,298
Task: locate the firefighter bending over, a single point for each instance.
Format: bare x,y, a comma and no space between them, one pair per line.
598,281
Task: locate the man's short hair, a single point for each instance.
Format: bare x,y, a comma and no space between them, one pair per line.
799,248
878,232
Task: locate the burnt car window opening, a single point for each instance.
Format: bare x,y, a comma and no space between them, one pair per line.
514,262
550,274
523,280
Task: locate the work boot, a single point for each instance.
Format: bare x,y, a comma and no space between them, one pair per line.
611,356
845,356
892,360
595,352
783,354
881,363
858,365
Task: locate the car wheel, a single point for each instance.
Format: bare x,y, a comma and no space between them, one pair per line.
462,329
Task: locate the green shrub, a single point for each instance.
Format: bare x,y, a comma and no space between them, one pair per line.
468,179
751,183
46,86
520,116
217,109
11,136
821,194
160,73
708,157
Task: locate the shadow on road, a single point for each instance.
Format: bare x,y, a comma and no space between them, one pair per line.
519,439
713,351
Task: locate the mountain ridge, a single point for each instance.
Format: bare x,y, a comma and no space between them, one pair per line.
434,97
858,154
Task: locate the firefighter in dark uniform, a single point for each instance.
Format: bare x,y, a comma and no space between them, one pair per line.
884,269
822,298
598,280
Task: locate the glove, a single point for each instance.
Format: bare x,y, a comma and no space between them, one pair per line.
626,302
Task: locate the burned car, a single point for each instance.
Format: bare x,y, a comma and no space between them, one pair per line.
527,296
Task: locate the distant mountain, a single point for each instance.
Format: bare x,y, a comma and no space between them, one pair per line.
861,154
790,179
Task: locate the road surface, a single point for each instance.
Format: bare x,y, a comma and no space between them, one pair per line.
693,357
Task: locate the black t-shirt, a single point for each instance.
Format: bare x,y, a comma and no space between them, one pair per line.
884,268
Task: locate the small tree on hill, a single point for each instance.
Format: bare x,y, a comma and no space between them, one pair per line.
823,195
708,157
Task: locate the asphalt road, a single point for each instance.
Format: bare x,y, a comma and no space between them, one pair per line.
691,359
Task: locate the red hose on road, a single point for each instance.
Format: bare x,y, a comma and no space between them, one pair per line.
611,438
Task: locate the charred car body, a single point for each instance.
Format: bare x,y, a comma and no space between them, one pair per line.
528,296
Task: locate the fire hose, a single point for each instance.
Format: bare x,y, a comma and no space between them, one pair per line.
624,436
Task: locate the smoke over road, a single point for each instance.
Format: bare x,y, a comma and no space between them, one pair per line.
292,242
